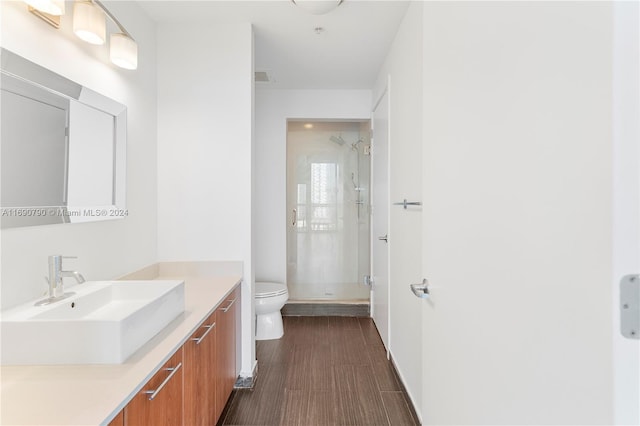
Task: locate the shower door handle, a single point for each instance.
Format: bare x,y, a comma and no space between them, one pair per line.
294,218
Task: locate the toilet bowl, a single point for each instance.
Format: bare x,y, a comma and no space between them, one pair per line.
269,299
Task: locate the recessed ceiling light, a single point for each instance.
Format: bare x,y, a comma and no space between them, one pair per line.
308,126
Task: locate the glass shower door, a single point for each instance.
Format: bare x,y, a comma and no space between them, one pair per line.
325,251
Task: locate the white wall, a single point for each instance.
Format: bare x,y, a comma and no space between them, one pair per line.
272,109
518,212
626,201
105,249
403,67
205,75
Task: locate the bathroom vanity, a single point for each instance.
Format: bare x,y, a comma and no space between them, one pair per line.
183,375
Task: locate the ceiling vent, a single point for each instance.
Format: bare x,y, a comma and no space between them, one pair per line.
262,77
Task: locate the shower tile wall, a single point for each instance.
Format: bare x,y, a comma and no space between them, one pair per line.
328,187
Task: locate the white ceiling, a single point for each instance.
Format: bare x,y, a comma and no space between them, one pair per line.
346,55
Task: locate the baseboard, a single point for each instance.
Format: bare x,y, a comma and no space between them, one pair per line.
247,382
301,309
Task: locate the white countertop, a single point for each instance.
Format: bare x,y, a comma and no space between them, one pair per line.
94,394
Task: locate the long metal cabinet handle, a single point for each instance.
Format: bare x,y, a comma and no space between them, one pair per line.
228,307
294,218
201,338
153,393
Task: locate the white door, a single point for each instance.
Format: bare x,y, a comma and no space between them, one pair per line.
517,214
380,218
626,203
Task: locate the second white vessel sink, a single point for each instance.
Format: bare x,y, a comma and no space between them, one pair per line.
105,322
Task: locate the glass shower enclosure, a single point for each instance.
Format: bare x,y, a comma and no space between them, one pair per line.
328,200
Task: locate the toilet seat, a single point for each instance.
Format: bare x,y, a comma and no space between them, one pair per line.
265,289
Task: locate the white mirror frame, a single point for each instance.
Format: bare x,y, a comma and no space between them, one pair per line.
26,71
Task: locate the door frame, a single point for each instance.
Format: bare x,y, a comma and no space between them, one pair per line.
384,96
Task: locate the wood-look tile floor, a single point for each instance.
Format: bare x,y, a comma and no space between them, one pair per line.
324,371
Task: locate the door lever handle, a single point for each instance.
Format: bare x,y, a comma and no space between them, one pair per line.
421,290
384,238
406,203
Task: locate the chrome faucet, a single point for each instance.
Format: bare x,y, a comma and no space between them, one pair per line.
56,285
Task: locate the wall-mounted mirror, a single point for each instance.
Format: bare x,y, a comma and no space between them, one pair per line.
62,148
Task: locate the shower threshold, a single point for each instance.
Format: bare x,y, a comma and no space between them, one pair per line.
324,307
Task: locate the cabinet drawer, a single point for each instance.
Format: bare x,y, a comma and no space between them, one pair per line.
199,375
227,320
159,403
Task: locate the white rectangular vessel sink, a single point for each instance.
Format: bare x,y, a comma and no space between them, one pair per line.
103,323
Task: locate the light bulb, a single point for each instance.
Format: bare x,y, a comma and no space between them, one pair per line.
89,22
123,51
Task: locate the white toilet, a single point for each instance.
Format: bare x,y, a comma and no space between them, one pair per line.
269,298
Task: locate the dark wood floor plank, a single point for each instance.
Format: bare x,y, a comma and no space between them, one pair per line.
324,371
344,322
317,352
385,376
358,399
261,405
369,331
363,409
272,378
348,335
376,353
306,330
397,409
346,353
355,378
348,347
308,408
310,368
252,407
273,351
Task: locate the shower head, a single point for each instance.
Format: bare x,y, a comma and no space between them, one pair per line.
337,140
354,146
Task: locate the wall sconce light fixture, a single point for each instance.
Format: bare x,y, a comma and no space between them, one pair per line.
50,7
89,24
47,10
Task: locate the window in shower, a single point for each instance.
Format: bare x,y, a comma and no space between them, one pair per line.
327,196
321,203
324,185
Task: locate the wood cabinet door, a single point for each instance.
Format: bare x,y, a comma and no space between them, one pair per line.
118,420
159,403
226,349
200,375
232,322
